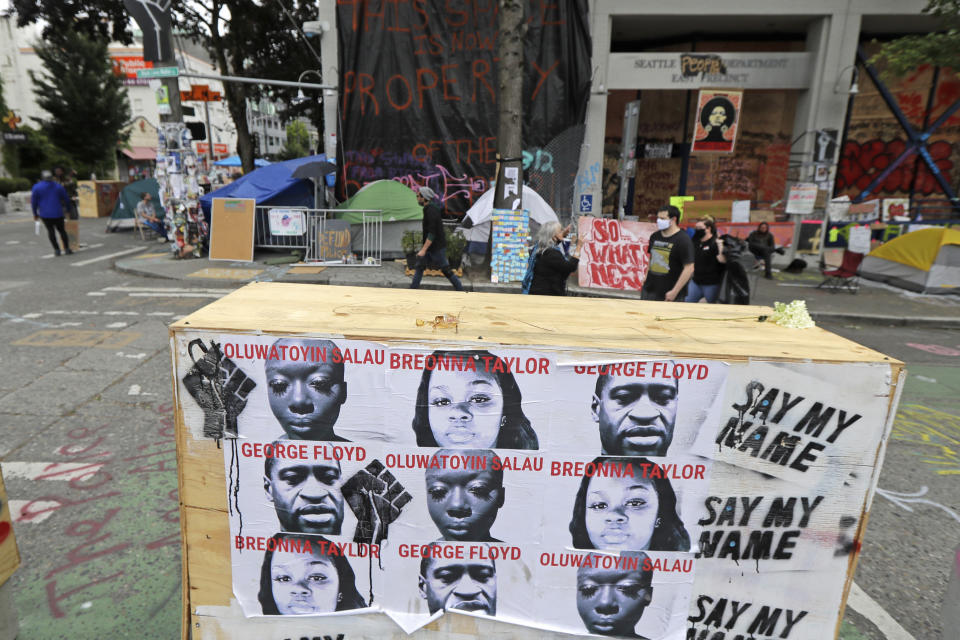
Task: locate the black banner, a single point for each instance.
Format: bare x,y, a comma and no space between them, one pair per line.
419,89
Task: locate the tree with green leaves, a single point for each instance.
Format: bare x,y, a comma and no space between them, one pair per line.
941,48
255,38
298,141
87,104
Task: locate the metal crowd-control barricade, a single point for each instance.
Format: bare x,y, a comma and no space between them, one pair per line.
322,237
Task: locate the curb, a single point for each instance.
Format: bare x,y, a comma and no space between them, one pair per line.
898,321
514,288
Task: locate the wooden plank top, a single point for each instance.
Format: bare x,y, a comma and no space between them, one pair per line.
589,324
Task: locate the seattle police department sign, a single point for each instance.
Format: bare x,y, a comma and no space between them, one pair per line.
675,70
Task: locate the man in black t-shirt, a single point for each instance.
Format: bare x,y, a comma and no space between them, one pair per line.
434,250
671,259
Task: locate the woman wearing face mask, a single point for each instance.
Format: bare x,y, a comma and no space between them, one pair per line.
551,267
671,259
708,263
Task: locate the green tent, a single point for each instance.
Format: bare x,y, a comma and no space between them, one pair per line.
122,216
395,199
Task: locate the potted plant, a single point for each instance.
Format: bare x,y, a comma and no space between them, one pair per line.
410,242
456,245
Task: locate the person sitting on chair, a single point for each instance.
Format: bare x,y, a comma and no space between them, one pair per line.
762,246
148,216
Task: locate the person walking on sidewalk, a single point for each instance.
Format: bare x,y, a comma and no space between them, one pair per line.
708,263
434,250
671,259
48,200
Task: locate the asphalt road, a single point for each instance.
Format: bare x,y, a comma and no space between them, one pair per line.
86,442
86,437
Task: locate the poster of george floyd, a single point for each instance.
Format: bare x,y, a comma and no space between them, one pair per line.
644,498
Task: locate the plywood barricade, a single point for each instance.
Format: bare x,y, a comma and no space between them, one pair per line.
771,491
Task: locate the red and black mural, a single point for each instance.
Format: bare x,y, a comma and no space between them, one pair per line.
419,89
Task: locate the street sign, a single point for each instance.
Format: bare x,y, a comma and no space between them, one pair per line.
200,93
158,72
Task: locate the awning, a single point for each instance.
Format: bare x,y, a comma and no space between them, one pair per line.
140,153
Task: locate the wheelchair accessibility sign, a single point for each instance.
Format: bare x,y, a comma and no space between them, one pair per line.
586,203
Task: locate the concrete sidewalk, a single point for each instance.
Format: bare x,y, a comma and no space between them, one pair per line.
875,303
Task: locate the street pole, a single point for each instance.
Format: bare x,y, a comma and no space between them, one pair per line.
509,190
206,114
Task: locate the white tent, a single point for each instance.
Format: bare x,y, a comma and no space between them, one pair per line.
482,209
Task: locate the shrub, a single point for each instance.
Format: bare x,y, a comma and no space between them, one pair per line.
10,185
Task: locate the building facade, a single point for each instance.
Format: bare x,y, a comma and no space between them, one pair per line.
18,58
795,68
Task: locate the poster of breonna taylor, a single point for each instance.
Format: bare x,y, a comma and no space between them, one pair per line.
653,498
411,482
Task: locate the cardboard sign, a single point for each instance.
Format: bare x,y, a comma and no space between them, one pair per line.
859,240
802,198
614,254
718,120
895,207
718,209
231,229
334,240
286,222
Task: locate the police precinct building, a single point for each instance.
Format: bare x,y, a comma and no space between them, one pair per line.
788,99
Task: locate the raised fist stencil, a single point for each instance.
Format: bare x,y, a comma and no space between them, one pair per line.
376,498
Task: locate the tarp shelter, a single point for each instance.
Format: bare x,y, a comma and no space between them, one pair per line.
234,161
271,185
401,213
927,260
123,210
478,235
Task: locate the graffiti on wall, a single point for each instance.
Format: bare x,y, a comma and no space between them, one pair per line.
861,162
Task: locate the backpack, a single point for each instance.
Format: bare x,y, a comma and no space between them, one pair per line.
528,276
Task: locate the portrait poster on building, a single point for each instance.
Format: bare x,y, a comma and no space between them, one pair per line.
585,494
614,253
717,121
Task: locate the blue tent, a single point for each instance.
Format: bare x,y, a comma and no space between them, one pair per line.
234,161
270,185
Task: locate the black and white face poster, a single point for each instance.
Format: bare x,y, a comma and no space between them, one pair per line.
583,494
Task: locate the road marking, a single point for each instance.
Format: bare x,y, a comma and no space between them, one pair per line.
121,313
13,242
225,274
39,511
116,254
866,606
116,325
160,313
176,295
31,315
78,338
135,356
166,289
95,293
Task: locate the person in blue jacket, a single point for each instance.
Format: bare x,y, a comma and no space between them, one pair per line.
49,200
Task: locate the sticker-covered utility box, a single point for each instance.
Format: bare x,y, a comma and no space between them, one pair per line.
370,463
